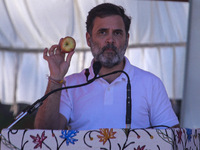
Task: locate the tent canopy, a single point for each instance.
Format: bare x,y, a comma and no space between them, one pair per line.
157,42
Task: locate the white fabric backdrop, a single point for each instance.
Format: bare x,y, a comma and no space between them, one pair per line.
157,42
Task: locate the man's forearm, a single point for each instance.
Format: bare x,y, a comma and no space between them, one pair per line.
48,116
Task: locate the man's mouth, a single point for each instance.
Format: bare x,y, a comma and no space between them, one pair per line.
109,48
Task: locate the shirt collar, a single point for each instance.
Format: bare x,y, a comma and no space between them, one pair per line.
127,69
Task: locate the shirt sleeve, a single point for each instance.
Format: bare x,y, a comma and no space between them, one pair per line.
65,105
161,111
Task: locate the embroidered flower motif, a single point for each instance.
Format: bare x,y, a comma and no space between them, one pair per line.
140,148
179,135
38,140
105,135
189,134
69,135
53,135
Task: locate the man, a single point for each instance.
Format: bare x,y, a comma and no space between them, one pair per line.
102,104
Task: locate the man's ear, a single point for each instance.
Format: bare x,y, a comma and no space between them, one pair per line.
88,38
128,36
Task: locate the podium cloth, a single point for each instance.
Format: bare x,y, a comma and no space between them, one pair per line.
107,139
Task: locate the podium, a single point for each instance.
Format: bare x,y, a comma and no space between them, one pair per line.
102,139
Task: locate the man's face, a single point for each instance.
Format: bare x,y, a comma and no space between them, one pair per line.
108,41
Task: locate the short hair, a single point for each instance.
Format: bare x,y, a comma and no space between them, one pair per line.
104,10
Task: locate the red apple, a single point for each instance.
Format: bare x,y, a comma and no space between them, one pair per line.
67,44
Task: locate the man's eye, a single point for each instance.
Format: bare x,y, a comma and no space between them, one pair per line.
118,33
102,32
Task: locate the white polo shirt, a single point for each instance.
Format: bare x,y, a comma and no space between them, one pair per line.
103,105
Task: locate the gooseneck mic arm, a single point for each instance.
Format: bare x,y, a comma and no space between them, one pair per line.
96,68
28,110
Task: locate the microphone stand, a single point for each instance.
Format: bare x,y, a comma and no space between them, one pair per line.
39,102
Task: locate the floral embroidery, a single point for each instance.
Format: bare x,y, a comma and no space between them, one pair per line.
38,140
179,133
189,133
140,148
187,138
69,135
105,135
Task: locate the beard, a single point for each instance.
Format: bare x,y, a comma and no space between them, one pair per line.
109,58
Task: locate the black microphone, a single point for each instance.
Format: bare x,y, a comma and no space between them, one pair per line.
87,73
96,67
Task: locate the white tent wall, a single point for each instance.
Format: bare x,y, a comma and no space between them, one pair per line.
157,43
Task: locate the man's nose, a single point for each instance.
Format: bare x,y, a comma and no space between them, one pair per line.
110,39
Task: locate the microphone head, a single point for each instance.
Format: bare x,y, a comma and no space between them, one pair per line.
96,67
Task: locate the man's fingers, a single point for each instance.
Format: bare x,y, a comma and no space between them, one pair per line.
58,50
52,50
45,54
60,41
69,57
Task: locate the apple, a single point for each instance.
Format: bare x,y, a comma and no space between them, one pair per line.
67,44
